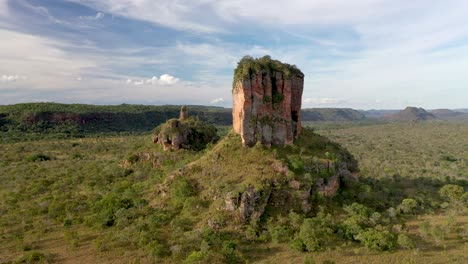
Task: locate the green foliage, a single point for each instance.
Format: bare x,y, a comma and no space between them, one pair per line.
404,241
315,232
181,189
408,205
452,192
23,122
280,233
37,157
248,66
357,218
108,208
375,239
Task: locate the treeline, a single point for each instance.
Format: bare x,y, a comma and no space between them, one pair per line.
42,120
81,118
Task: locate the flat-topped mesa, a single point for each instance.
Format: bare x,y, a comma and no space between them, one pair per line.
267,97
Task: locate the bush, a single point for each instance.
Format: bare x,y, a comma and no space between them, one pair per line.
315,232
405,242
452,192
408,205
377,240
107,208
280,233
37,157
181,189
357,219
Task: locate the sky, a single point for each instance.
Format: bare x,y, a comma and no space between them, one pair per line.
363,54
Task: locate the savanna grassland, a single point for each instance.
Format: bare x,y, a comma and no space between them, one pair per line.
96,200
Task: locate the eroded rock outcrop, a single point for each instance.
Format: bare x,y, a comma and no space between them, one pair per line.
253,203
267,96
186,132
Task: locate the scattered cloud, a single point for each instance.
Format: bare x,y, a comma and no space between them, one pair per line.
167,79
12,78
217,101
323,101
163,80
98,16
43,11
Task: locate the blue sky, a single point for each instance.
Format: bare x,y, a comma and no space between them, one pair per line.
362,54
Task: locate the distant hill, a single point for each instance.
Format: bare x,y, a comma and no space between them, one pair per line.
446,113
411,114
463,110
331,114
374,113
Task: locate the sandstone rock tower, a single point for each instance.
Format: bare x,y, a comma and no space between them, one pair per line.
183,113
267,97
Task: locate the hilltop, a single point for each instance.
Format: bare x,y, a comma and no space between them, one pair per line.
411,114
446,113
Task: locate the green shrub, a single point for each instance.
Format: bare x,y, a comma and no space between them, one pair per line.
357,219
181,189
38,157
377,239
106,208
408,205
405,242
280,233
315,232
452,192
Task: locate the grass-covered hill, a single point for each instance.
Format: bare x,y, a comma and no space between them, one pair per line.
125,200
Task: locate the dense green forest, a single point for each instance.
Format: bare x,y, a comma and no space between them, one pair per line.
52,120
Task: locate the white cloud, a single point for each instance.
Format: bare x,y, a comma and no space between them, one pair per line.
42,60
98,16
167,79
11,78
163,80
217,101
182,14
323,101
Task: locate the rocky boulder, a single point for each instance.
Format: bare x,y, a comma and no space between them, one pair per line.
267,97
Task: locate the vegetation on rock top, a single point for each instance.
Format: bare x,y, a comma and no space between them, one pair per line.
248,66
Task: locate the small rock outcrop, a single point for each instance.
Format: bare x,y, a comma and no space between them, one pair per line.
185,132
267,98
253,203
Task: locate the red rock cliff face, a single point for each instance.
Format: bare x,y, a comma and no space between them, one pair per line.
267,108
